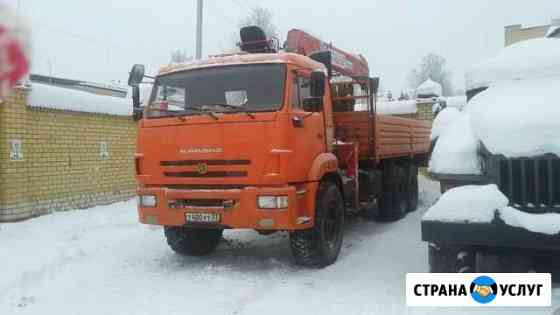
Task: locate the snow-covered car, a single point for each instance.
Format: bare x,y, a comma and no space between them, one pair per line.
498,162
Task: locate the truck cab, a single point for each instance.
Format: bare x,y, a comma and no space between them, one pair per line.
236,132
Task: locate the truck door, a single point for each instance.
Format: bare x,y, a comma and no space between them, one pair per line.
308,137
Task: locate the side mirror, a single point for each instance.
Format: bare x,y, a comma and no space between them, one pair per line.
317,84
136,110
136,75
374,84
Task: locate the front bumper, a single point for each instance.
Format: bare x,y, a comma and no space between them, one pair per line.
493,234
241,211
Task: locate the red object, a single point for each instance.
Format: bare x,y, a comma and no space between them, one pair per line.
344,63
14,63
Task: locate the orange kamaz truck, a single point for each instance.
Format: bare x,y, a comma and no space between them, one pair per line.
270,140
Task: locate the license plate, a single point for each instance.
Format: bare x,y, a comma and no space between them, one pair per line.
193,217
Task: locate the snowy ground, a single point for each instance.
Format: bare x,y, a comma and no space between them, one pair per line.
102,261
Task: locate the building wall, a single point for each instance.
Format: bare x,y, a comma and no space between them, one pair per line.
61,166
515,33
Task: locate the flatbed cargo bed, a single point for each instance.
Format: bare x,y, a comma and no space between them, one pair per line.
383,136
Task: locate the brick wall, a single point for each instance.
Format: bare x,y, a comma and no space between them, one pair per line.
61,165
425,111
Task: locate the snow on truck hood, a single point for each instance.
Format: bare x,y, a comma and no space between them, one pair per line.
518,118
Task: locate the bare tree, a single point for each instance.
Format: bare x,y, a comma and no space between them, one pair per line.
262,18
180,56
432,66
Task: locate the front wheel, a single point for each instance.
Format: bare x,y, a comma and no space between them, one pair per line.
192,242
450,259
320,245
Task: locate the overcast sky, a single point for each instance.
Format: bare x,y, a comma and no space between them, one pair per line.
99,40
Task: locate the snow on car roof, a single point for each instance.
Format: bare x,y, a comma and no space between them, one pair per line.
48,96
535,58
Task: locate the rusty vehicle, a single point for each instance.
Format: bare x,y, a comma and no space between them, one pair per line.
254,140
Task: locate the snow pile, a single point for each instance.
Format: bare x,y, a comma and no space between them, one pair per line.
397,107
534,58
546,223
475,204
456,150
48,96
102,261
481,204
443,120
458,102
429,88
518,118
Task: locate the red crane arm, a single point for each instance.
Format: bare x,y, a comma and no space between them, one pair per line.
344,63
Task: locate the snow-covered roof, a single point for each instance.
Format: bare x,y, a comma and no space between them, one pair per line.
518,118
397,107
533,58
48,96
429,87
457,102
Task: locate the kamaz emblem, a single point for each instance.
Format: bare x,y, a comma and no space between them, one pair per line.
201,150
202,168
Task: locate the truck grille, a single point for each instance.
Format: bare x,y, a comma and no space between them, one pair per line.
208,174
203,168
187,203
532,184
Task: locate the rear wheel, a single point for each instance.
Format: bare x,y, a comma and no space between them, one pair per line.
393,202
320,245
412,191
193,242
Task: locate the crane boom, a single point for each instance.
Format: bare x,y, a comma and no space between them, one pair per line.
344,63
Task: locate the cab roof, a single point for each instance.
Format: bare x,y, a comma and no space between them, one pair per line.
244,58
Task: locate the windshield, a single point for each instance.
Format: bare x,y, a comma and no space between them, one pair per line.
245,88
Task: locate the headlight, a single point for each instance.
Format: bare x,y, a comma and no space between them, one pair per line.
273,202
147,201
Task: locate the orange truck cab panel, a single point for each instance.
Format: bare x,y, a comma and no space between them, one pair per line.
219,160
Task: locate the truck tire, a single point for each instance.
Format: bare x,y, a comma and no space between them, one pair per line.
192,242
412,200
320,245
450,259
393,202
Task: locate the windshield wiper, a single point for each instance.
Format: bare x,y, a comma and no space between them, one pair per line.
201,110
244,112
235,108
